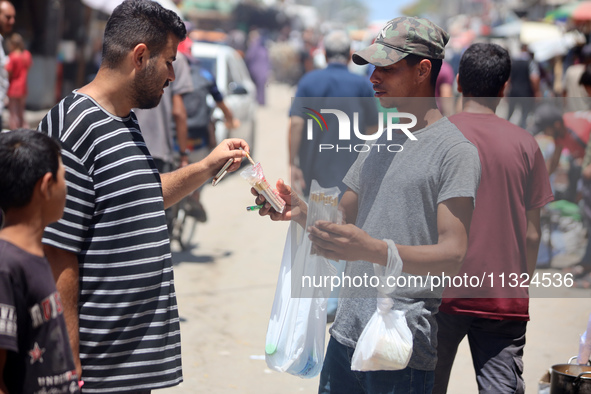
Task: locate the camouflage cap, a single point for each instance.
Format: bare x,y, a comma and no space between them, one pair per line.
401,37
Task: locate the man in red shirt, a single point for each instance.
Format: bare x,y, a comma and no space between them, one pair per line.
504,234
570,131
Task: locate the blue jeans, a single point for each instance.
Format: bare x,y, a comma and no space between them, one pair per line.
336,376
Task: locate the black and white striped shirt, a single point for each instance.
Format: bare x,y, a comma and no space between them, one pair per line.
114,221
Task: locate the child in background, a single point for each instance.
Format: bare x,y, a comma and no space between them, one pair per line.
35,354
19,62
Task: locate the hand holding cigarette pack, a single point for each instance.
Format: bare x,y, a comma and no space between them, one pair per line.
255,176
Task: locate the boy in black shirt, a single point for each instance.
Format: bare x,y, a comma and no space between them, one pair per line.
35,354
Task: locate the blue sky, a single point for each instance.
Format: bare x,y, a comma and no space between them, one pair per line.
385,9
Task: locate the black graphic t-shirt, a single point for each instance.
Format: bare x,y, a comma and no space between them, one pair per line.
32,326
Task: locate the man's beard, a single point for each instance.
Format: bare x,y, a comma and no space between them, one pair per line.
146,94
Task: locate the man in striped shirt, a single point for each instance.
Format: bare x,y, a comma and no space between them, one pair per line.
110,253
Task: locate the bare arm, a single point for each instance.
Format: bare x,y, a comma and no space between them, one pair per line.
535,84
348,242
296,129
179,115
349,206
294,139
230,122
453,226
533,236
552,162
179,183
64,266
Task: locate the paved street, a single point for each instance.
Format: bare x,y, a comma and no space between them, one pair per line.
226,284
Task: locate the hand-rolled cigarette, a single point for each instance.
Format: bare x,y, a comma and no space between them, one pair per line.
255,176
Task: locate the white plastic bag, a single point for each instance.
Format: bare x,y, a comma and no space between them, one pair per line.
386,341
297,327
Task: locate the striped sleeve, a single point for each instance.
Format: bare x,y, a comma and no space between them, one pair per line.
71,231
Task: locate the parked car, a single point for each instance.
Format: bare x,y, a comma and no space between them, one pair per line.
234,82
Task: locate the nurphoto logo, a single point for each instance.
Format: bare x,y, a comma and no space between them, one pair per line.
344,132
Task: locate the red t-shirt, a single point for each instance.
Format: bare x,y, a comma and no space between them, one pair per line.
576,137
514,180
18,69
446,75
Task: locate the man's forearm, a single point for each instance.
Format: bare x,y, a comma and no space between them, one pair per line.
64,266
296,129
552,162
453,224
533,238
419,259
179,183
228,115
431,259
348,242
179,113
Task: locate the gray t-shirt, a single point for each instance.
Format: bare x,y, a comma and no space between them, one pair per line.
398,195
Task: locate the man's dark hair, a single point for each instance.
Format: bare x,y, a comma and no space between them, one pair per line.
484,70
586,77
25,157
546,115
413,60
139,21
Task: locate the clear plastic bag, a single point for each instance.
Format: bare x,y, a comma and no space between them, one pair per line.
323,204
297,327
386,341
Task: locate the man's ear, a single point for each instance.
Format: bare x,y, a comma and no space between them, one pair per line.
502,91
424,70
459,88
44,184
140,55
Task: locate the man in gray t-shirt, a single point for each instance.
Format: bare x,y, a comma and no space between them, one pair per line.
403,205
421,197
